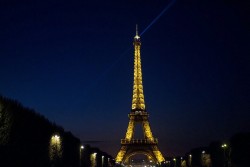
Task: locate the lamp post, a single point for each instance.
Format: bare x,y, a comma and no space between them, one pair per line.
174,162
56,140
190,160
224,147
203,158
102,161
93,160
55,150
81,149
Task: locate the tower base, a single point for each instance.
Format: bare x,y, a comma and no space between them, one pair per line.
145,147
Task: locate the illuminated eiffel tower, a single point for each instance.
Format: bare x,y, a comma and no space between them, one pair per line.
148,145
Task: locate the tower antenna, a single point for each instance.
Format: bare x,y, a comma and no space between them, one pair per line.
136,26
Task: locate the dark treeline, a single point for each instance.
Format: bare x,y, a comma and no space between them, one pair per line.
233,153
29,139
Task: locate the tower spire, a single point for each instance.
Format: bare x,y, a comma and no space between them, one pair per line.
138,103
136,32
136,29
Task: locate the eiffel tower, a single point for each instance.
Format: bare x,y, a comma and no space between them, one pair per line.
148,145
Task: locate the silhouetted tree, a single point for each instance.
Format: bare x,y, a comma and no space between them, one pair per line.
240,150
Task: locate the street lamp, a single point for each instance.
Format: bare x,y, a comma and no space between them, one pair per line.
81,148
224,146
55,149
174,162
190,160
57,137
93,159
56,142
102,161
203,158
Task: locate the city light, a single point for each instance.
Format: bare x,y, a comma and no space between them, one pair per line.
55,148
102,160
55,139
93,159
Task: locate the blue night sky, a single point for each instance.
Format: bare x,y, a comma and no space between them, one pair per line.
72,61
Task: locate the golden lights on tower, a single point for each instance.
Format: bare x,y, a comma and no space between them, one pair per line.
138,96
138,115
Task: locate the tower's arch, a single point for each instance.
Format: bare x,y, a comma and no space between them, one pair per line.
132,153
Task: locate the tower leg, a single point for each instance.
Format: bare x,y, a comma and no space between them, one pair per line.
120,156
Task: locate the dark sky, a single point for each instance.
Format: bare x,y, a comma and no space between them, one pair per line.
72,61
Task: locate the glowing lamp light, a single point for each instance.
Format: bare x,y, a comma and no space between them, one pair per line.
55,147
57,137
203,152
82,147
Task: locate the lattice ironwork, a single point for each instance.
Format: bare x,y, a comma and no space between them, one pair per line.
138,115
